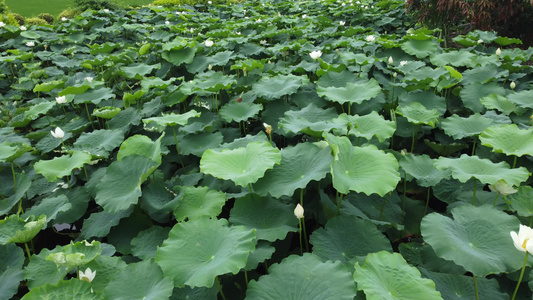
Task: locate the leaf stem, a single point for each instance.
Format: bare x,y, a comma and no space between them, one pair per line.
413,142
339,203
177,149
496,200
27,251
303,221
521,275
220,288
475,287
14,178
300,233
514,162
427,201
475,188
382,207
89,115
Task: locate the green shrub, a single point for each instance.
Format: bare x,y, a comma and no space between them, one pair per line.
169,3
84,5
14,19
36,21
47,17
6,16
68,13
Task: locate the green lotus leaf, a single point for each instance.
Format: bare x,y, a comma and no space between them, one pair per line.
142,280
49,86
422,169
466,167
451,285
388,276
121,185
137,70
242,165
23,185
14,229
477,238
11,151
380,210
172,119
213,82
197,144
460,58
75,254
420,48
263,251
521,201
310,120
145,244
368,126
49,207
39,109
198,202
271,218
200,62
99,224
74,288
472,93
417,113
483,74
199,250
352,92
94,96
272,88
178,57
299,165
303,278
106,268
143,146
6,151
500,103
40,271
106,112
99,142
459,128
425,258
522,98
362,169
239,111
11,262
508,139
61,166
331,242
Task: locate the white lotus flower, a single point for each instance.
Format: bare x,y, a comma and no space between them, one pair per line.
299,212
315,54
523,240
23,28
263,42
480,41
370,38
498,51
304,16
30,44
209,2
106,10
342,23
391,60
502,187
2,24
167,22
89,78
259,21
209,43
64,19
88,275
61,100
403,63
58,133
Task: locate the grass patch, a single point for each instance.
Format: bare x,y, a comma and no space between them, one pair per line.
29,8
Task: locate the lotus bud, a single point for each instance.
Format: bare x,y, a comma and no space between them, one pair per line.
391,60
268,128
394,74
512,85
61,100
210,67
58,133
299,211
498,51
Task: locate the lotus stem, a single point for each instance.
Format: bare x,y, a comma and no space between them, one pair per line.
427,201
220,288
177,148
382,207
496,200
474,147
14,178
303,222
475,287
300,234
514,162
27,251
246,277
339,201
520,278
89,116
413,141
